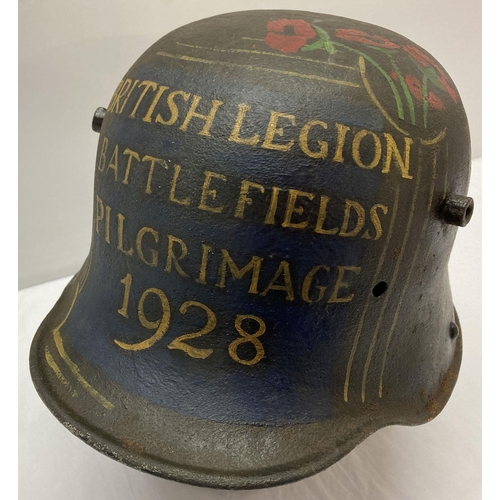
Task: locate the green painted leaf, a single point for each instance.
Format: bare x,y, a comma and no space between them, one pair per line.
314,46
329,47
433,78
322,33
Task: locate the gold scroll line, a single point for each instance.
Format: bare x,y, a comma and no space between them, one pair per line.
439,137
247,51
51,362
72,366
76,372
412,265
445,175
375,279
87,271
362,70
392,284
258,68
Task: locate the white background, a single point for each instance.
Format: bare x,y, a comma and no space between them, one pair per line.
73,53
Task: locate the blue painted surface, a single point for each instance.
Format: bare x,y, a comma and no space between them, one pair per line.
294,382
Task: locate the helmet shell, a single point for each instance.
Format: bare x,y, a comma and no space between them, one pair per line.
267,283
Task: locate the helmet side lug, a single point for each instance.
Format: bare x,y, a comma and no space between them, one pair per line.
457,210
98,119
454,330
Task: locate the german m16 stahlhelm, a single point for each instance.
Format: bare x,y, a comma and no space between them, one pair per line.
276,199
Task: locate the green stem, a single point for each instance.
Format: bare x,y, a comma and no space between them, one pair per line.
399,103
406,90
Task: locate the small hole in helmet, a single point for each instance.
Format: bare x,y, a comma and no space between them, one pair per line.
379,289
454,331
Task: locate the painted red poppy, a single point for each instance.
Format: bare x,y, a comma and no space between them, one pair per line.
426,61
362,37
288,35
394,76
414,86
444,82
419,56
434,101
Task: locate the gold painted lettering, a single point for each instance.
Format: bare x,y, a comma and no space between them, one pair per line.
147,84
185,201
131,154
172,106
292,209
115,105
121,219
202,277
107,224
392,149
243,199
102,154
173,259
153,161
235,134
360,212
304,140
339,150
178,343
374,217
127,281
212,193
159,93
339,284
306,286
377,147
254,266
153,261
99,213
128,95
160,325
322,217
247,337
273,130
113,162
283,269
273,205
208,119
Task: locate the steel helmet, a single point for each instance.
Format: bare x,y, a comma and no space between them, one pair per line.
276,199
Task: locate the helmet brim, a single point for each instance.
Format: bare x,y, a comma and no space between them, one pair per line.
197,451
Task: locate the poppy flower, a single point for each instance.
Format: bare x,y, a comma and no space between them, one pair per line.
434,101
426,61
419,56
394,76
362,37
444,82
288,35
414,86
